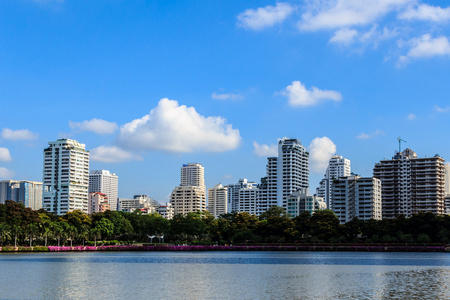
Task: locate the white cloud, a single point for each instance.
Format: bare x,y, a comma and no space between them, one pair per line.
257,19
425,12
365,136
320,152
265,150
298,95
426,46
411,116
344,36
5,155
442,109
224,96
5,173
112,154
20,134
178,128
335,14
98,126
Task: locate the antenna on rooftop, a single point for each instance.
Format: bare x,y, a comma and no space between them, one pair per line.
400,144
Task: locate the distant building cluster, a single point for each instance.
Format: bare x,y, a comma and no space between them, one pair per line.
403,185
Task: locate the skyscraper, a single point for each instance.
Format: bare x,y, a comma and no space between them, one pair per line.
410,184
29,193
286,174
105,182
233,194
217,200
338,166
190,196
66,177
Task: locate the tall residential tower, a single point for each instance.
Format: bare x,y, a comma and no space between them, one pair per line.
105,182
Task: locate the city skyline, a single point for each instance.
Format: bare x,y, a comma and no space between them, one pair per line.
239,76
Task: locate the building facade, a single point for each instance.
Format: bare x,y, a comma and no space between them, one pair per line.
166,211
411,184
338,166
105,182
66,177
285,174
301,201
217,200
233,203
190,195
29,193
142,202
356,196
98,202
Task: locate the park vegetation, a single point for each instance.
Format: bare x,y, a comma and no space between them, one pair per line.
20,226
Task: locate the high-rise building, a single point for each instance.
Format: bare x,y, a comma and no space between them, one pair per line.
233,194
286,173
98,202
356,196
410,184
105,182
338,166
190,195
217,200
29,193
66,177
447,178
301,201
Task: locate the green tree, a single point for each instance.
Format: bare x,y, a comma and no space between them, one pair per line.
324,225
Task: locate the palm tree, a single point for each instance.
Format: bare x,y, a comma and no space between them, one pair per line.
4,232
57,230
16,230
95,233
32,229
72,231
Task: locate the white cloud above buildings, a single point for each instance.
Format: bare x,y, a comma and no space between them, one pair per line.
112,154
356,24
411,116
265,150
321,149
177,128
439,109
226,96
425,47
365,136
262,17
5,156
98,126
20,134
5,173
298,95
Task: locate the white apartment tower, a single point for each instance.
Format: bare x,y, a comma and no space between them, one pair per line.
301,201
190,196
233,203
286,174
66,177
105,182
338,166
217,200
355,196
411,184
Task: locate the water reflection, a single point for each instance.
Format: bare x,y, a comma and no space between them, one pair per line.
225,275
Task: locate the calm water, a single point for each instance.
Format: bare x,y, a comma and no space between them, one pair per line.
225,275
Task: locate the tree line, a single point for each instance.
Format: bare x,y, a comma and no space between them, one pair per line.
23,226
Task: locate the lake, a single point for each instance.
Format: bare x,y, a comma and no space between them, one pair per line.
225,275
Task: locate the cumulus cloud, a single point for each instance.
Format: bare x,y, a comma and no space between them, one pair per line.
5,173
5,155
365,136
320,152
262,17
298,95
20,134
98,126
265,150
425,12
442,109
344,36
411,116
426,46
346,13
112,154
224,96
178,128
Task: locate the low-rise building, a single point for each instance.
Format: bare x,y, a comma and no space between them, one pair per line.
301,201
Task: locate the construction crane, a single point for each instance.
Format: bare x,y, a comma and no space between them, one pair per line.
400,144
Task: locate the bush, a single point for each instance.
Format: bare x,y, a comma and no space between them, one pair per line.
40,249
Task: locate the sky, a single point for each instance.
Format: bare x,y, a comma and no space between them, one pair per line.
150,85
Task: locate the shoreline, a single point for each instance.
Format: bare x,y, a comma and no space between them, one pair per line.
311,248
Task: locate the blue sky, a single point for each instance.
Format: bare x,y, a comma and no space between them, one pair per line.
150,85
